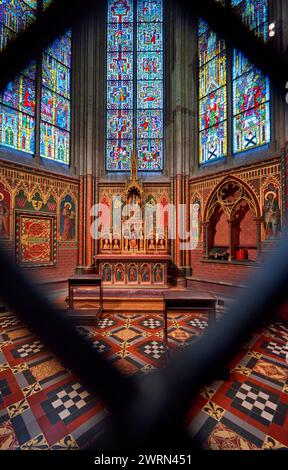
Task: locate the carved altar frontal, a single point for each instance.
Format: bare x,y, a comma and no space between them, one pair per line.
134,271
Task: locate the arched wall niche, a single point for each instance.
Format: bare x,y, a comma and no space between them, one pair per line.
232,222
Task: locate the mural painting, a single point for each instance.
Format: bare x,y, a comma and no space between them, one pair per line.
271,213
67,219
5,213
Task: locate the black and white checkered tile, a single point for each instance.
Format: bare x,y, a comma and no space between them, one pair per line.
279,330
105,322
278,349
196,323
100,346
28,349
9,322
70,400
257,401
151,323
153,349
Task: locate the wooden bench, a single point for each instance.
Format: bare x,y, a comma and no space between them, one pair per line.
85,280
191,301
188,301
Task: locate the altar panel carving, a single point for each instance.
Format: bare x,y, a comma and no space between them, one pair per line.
136,274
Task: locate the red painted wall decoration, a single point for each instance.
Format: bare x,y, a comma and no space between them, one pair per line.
35,240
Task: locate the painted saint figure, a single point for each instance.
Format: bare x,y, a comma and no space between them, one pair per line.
107,273
158,274
145,273
132,274
119,273
271,215
68,221
4,218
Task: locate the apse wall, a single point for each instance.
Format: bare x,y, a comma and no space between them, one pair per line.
39,221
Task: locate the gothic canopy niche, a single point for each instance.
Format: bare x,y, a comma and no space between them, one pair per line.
232,222
228,194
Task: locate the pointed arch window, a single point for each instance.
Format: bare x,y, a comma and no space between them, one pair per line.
18,104
134,85
250,96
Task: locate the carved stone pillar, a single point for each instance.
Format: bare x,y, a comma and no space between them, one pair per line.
206,239
86,51
259,221
230,225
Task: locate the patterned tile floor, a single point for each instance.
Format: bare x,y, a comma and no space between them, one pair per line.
43,405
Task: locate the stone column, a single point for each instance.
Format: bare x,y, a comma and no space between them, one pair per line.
259,221
206,239
230,224
179,120
86,46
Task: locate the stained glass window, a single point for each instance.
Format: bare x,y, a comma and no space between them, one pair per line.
212,95
55,99
18,101
134,84
251,89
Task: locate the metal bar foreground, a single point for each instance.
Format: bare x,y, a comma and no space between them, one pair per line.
148,413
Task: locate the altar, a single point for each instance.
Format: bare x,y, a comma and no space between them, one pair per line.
134,249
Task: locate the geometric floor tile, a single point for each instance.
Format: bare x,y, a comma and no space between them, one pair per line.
44,406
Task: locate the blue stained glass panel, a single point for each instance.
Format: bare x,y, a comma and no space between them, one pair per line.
32,4
20,94
17,130
149,37
213,108
119,155
213,75
6,35
150,94
119,95
213,143
55,109
55,100
56,76
150,154
253,12
55,143
120,66
210,45
149,11
120,37
18,99
61,50
16,15
150,65
124,78
251,89
120,11
251,129
119,124
150,124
